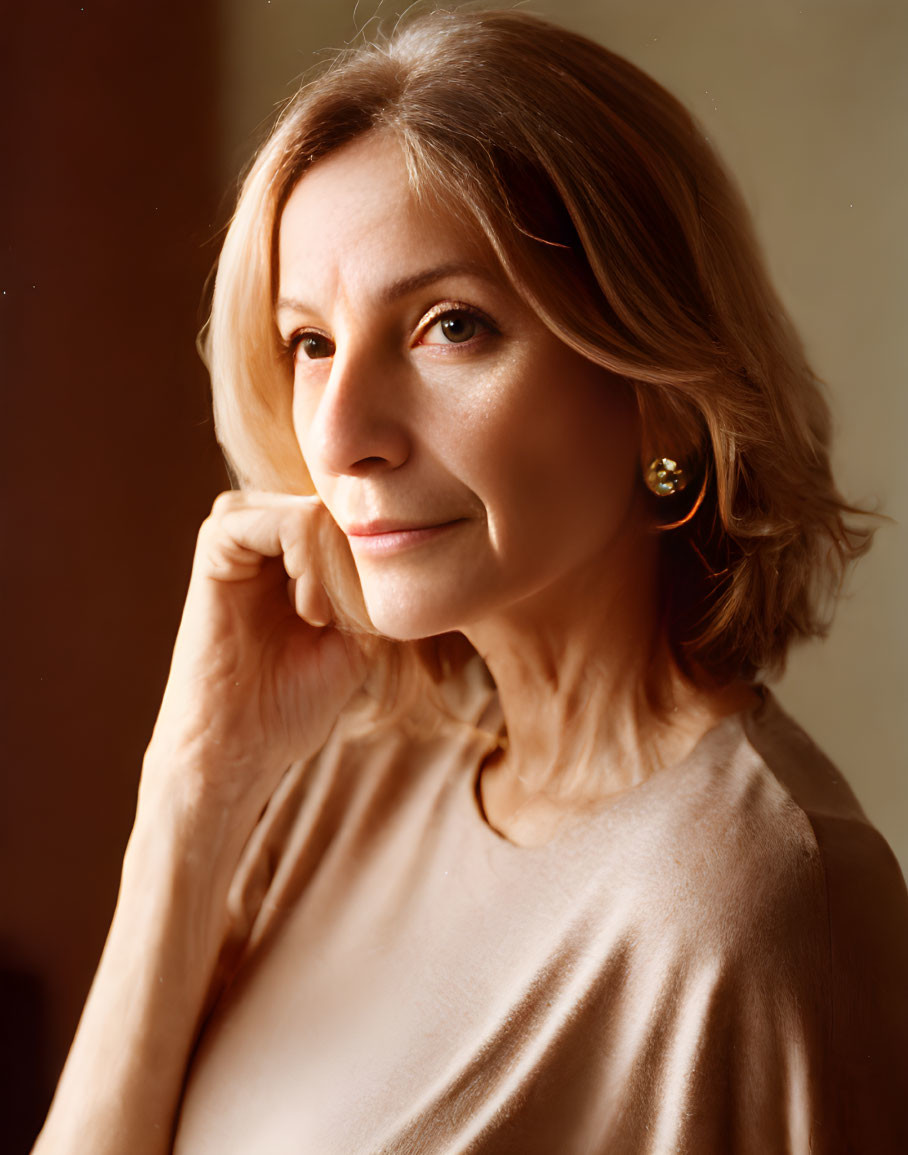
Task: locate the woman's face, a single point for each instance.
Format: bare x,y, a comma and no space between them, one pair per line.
476,463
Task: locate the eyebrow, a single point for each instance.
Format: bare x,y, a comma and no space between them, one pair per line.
405,286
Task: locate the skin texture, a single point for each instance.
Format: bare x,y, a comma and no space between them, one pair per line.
487,418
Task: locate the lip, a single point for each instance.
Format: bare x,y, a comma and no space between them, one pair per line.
385,536
387,525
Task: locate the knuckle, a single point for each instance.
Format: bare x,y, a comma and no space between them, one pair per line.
207,529
226,501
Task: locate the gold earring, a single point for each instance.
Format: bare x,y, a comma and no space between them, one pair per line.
665,477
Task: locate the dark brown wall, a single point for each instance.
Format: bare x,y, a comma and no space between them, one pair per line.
111,217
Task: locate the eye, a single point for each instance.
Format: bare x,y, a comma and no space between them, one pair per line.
311,345
454,327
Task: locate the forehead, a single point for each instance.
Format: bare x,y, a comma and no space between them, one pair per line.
354,222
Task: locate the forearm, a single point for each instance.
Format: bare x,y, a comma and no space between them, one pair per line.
120,1088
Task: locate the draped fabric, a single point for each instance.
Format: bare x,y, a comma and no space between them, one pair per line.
713,961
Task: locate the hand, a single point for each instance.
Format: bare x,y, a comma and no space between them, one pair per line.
260,669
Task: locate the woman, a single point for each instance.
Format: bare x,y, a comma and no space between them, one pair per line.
467,823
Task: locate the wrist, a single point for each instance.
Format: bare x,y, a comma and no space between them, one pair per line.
200,792
182,851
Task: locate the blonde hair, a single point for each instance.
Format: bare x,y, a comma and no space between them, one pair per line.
612,215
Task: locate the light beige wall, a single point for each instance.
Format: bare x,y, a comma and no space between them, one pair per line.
805,99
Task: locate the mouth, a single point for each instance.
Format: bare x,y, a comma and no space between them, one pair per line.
382,537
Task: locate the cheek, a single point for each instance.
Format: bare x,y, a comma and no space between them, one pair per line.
303,412
560,452
301,417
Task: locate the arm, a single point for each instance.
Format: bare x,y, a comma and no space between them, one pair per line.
122,1080
253,685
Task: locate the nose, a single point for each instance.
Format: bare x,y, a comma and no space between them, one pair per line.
357,423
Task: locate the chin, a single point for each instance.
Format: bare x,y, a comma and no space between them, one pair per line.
402,621
407,614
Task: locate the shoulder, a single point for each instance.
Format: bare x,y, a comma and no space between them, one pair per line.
866,905
761,823
777,917
722,847
780,889
754,857
861,880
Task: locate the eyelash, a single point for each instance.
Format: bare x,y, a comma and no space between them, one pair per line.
438,313
292,343
448,309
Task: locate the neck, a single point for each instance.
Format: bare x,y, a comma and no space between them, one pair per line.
592,700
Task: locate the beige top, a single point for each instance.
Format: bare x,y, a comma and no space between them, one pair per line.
714,961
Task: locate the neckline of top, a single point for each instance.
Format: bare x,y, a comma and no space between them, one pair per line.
486,743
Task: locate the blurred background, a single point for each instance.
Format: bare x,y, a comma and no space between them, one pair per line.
124,129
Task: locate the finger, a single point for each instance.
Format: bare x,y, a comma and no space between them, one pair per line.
244,528
309,600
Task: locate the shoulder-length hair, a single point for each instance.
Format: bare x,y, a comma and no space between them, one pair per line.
613,217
